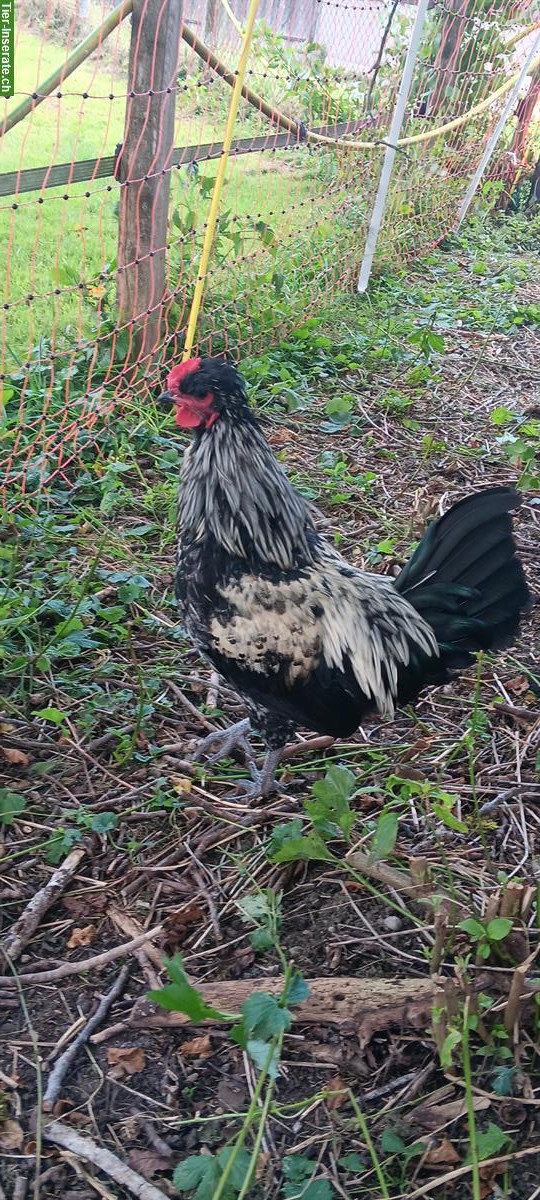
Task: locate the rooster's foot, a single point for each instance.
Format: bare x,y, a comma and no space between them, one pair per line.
264,782
226,740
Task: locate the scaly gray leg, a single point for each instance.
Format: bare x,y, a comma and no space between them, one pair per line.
264,782
226,740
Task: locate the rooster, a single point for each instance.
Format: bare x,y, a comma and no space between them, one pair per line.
305,638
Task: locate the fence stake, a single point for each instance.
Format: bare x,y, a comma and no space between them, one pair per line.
144,168
390,153
506,112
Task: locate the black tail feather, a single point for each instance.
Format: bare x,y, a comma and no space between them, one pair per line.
466,580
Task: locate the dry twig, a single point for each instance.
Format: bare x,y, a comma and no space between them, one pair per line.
21,932
62,1135
63,1064
84,964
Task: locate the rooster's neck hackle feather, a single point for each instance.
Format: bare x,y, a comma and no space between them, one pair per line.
233,488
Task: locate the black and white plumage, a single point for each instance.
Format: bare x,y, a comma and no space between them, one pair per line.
305,638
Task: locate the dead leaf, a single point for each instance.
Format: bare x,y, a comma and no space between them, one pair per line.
433,1116
89,904
488,1176
11,1136
181,784
197,1047
83,936
443,1154
15,758
125,1060
518,685
148,1162
177,925
232,1094
338,1087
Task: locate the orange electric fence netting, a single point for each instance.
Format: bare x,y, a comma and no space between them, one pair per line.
109,158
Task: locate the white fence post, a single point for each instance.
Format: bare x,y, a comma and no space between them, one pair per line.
506,112
391,149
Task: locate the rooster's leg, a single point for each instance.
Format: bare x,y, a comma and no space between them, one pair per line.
226,740
264,781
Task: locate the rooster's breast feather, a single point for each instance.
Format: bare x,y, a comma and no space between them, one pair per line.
326,623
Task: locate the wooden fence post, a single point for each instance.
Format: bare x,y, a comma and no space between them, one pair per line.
144,168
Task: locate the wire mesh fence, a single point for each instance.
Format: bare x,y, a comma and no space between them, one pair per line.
110,149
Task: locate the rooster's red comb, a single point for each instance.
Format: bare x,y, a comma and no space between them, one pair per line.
175,377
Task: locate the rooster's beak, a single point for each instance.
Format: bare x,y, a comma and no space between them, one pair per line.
165,401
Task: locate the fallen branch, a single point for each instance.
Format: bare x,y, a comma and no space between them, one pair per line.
370,1004
103,1159
59,1072
403,882
21,932
84,964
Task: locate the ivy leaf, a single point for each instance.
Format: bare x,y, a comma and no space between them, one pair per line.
181,996
261,939
385,836
352,1162
61,843
200,1173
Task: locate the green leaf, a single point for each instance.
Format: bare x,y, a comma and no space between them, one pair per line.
318,1189
451,1040
286,832
310,847
331,804
60,844
104,822
254,908
503,1081
443,813
11,805
261,939
238,1172
498,929
474,928
180,996
297,991
189,1173
298,1167
50,714
263,1016
385,836
264,1055
391,1143
501,415
490,1142
352,1162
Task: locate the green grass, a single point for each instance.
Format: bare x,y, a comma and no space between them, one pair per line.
59,243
